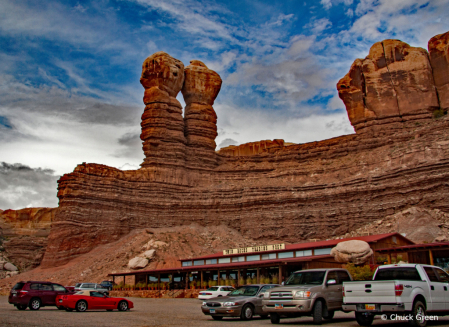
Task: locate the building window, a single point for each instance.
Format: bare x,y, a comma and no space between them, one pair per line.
198,262
304,253
211,262
322,251
282,255
186,263
224,260
268,256
253,257
238,259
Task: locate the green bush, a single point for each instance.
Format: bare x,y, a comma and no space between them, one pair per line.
360,272
439,113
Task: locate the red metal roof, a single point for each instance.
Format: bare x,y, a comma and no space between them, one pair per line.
224,265
305,246
416,246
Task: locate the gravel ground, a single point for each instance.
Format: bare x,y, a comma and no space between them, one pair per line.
159,312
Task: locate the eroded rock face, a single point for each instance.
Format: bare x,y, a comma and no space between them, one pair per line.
201,87
162,122
25,232
394,83
252,148
439,59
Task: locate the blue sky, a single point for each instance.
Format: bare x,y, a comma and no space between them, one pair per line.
69,78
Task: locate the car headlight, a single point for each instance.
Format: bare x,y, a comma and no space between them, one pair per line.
302,294
266,295
204,304
229,304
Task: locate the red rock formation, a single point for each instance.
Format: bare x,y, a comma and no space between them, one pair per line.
252,148
439,59
201,87
162,122
313,190
26,231
393,83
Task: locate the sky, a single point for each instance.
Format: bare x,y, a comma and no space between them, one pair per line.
69,74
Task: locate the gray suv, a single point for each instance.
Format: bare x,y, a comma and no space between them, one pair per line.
315,292
91,287
243,302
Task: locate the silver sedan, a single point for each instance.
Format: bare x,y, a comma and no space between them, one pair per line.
243,302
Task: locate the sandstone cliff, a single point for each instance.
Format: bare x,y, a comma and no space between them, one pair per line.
297,192
395,83
25,232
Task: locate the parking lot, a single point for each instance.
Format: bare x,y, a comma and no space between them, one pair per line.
159,312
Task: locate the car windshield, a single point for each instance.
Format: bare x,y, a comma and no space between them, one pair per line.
306,278
245,291
212,289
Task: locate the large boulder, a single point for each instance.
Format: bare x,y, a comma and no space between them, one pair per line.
10,267
149,254
354,251
138,263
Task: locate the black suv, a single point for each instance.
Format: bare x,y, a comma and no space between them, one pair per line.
34,295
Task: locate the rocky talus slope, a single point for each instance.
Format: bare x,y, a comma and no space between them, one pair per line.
398,159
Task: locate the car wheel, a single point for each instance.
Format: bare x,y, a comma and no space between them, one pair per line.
35,304
364,319
275,318
21,306
318,313
123,306
419,314
247,312
81,306
217,317
330,315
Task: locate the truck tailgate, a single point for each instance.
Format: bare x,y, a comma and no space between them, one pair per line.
369,292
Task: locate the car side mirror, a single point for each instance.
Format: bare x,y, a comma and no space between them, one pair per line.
331,282
261,295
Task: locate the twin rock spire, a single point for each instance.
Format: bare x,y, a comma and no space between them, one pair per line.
168,137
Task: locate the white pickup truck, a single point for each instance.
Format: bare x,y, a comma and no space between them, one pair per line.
414,292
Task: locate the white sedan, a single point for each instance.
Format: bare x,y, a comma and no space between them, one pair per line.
215,291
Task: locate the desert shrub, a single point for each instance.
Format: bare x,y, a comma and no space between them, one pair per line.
439,113
360,272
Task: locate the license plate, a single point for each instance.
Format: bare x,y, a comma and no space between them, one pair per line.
212,310
370,307
279,306
14,294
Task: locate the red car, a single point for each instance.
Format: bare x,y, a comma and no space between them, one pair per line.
92,300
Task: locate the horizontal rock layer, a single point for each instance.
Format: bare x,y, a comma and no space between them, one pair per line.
314,190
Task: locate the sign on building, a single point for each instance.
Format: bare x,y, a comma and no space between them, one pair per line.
259,248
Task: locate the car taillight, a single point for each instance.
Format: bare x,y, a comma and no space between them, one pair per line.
22,293
207,293
343,288
398,289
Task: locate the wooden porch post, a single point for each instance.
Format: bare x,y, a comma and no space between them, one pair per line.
124,279
280,274
258,275
159,280
218,277
238,277
389,258
431,257
187,281
201,279
113,279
